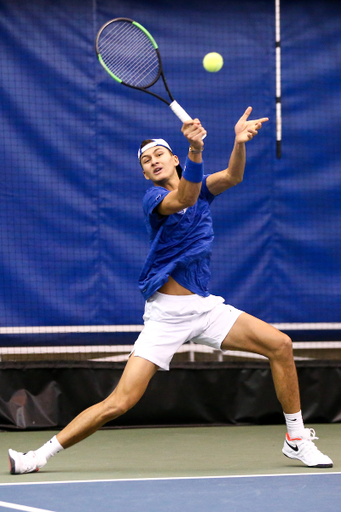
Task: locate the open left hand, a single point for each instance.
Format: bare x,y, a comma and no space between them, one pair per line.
245,130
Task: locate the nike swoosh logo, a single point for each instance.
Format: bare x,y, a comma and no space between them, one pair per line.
293,447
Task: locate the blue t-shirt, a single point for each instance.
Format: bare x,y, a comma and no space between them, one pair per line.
180,244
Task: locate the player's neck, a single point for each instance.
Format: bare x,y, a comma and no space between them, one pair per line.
171,183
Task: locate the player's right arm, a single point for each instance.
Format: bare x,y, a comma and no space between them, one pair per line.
187,192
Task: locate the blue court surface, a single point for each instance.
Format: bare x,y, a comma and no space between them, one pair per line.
295,492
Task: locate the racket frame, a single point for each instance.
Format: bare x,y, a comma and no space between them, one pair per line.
156,48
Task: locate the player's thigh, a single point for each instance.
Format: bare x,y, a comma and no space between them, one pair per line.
134,381
253,335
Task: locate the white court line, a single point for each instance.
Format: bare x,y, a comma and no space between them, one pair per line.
167,478
22,507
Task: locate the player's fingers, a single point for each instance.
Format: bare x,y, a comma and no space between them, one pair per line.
198,133
247,113
194,128
187,126
192,122
191,127
197,138
257,122
262,120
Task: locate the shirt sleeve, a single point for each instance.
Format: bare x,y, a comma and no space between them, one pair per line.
205,193
151,200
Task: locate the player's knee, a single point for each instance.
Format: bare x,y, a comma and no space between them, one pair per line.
283,346
115,408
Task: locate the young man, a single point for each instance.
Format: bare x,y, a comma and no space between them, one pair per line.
179,308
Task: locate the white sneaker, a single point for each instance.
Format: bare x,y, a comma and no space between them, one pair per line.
303,448
20,463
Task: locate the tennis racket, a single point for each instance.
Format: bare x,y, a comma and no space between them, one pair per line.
130,55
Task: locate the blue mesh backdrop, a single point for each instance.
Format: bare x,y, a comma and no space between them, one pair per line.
72,237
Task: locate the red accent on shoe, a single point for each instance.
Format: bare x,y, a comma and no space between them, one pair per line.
293,438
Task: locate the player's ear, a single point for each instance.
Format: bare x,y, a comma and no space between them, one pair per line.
176,160
145,175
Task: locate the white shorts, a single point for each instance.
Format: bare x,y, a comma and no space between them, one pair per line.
172,320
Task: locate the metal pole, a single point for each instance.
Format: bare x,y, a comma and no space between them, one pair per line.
278,81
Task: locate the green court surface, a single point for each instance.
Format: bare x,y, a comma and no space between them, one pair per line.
169,452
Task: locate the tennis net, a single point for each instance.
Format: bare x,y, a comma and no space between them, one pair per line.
310,341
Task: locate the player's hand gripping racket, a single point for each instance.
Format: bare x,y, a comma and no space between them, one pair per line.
130,55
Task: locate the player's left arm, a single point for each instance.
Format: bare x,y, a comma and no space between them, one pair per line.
245,130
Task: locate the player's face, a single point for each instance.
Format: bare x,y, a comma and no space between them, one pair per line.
159,164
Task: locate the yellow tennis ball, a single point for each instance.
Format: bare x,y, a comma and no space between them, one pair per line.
213,62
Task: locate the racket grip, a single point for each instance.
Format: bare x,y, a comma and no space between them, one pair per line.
180,112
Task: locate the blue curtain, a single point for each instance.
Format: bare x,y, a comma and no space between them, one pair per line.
72,238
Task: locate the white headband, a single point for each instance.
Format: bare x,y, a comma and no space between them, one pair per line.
156,142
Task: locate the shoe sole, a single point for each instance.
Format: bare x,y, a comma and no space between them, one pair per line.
317,465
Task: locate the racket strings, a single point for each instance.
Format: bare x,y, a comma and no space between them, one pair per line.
129,54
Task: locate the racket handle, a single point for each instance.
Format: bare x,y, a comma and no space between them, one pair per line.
180,112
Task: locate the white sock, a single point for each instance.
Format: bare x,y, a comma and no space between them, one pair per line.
50,448
295,424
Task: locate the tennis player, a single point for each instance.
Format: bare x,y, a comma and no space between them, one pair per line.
174,282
